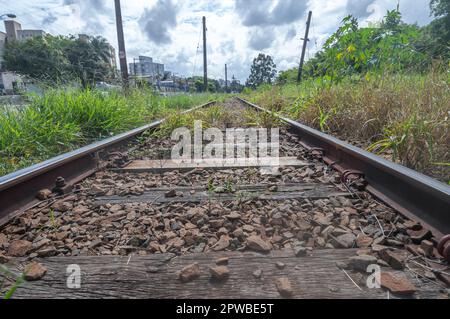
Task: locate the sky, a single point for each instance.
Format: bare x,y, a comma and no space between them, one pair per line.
170,30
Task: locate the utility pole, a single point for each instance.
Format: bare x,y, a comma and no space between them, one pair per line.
226,78
121,40
205,60
305,43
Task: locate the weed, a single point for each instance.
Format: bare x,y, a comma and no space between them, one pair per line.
229,186
53,222
211,188
19,281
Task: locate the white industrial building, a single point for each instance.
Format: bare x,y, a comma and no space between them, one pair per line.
145,67
14,31
2,47
10,82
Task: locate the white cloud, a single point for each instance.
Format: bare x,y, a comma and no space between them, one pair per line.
237,29
158,21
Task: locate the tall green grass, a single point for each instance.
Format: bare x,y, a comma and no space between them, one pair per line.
64,119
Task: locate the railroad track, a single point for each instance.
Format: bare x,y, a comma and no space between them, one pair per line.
132,220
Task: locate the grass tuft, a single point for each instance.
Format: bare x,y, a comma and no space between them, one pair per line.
65,119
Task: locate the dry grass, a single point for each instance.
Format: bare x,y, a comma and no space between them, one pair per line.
407,116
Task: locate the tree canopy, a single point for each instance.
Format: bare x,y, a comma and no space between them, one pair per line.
61,59
389,46
441,26
263,71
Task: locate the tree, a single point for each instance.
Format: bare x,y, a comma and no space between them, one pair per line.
392,21
61,59
199,85
89,59
440,8
101,48
263,71
236,86
213,85
393,46
41,58
287,76
441,26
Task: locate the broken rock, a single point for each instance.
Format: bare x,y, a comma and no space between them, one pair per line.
284,287
171,194
248,228
3,240
220,273
131,216
396,284
222,244
257,274
363,241
418,236
395,259
62,235
234,216
190,273
360,263
62,206
222,261
44,194
47,252
19,248
280,265
345,241
34,271
300,251
427,247
258,244
3,259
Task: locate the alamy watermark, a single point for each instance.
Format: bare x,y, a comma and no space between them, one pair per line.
374,279
246,146
73,273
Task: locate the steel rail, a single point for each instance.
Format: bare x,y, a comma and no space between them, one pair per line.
412,194
18,190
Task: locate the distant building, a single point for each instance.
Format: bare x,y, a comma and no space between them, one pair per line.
10,82
14,32
145,67
29,34
2,48
12,29
174,85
